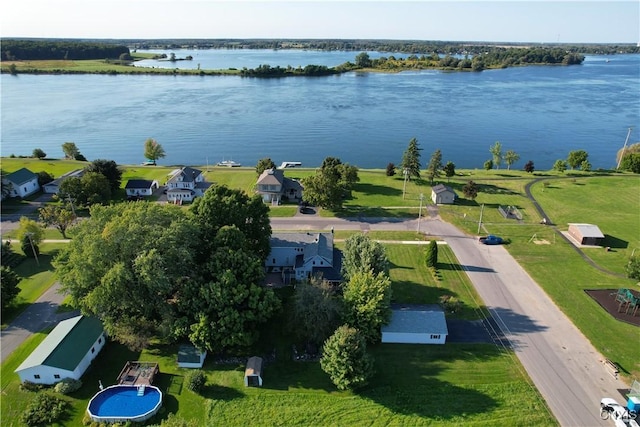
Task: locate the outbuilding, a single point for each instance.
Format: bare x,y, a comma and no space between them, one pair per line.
66,352
443,195
253,373
424,324
140,187
586,234
190,357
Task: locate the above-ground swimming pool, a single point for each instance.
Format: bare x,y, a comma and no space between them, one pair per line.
125,403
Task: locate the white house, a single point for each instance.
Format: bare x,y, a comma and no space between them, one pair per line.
416,325
53,187
301,255
23,183
190,357
66,352
442,194
185,184
273,186
140,187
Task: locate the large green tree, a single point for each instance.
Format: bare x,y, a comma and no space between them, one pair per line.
128,265
92,188
367,300
631,162
576,157
221,206
496,153
470,190
449,170
9,285
435,166
510,157
264,164
362,254
411,159
109,169
153,150
70,150
57,216
331,183
225,311
345,359
315,311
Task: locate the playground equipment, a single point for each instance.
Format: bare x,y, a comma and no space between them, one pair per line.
627,302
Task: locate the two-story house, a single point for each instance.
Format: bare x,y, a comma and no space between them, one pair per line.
273,186
301,255
185,184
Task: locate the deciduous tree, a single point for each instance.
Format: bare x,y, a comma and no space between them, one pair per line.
367,300
39,154
511,157
488,165
496,152
529,167
411,159
576,157
631,162
70,150
345,359
449,170
58,216
331,183
362,254
109,169
153,150
560,165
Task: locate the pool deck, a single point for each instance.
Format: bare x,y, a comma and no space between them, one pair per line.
138,373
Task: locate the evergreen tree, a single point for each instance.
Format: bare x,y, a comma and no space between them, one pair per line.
431,255
435,165
411,159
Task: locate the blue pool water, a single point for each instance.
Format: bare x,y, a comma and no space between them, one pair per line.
122,402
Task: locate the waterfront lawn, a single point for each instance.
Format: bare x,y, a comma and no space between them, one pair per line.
610,202
35,280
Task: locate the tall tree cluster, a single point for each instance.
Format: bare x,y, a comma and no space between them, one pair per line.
149,270
331,183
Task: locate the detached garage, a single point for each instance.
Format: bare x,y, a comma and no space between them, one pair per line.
66,352
416,325
586,234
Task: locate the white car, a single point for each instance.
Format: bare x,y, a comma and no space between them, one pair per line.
622,417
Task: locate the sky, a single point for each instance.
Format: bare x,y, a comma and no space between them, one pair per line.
539,21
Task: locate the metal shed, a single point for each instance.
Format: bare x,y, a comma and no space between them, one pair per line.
586,234
253,373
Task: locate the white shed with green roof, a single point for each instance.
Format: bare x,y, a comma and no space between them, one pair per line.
66,352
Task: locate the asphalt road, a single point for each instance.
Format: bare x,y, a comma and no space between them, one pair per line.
562,363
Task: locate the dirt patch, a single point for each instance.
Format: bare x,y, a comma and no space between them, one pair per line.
607,300
542,242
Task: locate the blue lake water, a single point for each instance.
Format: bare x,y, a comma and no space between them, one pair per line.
366,119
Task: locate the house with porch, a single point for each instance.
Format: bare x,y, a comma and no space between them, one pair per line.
22,182
273,187
301,255
185,184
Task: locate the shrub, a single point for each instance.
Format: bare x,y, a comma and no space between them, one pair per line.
29,386
345,359
44,409
196,380
67,386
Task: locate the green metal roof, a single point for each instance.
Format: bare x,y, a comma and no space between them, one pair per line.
21,176
66,345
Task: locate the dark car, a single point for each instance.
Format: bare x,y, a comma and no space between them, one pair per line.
491,240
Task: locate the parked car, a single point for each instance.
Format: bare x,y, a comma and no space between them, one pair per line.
491,240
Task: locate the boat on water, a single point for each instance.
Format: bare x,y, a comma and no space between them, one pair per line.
229,164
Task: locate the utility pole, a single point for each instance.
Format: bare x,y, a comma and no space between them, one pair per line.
420,211
35,255
480,221
73,209
624,148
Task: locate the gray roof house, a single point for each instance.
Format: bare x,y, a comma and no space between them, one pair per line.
140,187
23,183
416,325
586,234
442,194
53,187
273,186
66,352
185,184
300,255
